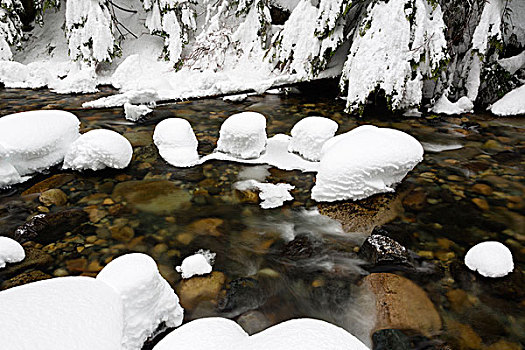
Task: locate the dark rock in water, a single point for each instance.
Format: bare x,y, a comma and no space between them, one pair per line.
244,294
301,247
390,339
48,228
382,250
25,278
253,322
400,232
35,259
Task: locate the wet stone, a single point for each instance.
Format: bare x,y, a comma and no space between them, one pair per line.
382,250
25,278
301,247
47,228
253,322
49,183
200,288
390,339
53,197
242,294
35,259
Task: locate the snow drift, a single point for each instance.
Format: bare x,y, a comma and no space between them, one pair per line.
221,333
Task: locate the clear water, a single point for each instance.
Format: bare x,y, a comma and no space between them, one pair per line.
438,213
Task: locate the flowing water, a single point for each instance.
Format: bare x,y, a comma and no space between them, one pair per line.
291,261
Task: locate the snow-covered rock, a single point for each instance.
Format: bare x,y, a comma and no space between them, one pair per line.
272,195
34,141
176,141
147,299
221,333
309,136
490,259
243,135
444,106
10,251
134,112
363,162
512,104
68,313
199,263
98,149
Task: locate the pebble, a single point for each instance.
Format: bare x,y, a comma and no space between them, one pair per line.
481,203
483,189
53,197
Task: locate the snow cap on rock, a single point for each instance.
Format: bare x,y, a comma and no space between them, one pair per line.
310,134
10,251
147,298
199,263
36,140
243,135
98,149
490,259
363,162
176,141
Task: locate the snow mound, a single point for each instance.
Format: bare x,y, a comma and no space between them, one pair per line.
221,333
10,251
512,104
363,162
243,135
176,142
309,136
444,106
98,149
134,112
148,300
69,313
18,75
490,259
36,140
272,195
199,263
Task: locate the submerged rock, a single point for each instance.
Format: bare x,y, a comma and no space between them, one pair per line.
152,196
253,322
390,339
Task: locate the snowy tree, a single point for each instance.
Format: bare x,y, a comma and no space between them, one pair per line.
10,27
232,29
397,45
310,37
89,30
175,20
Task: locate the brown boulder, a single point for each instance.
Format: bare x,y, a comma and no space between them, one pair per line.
200,288
401,304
